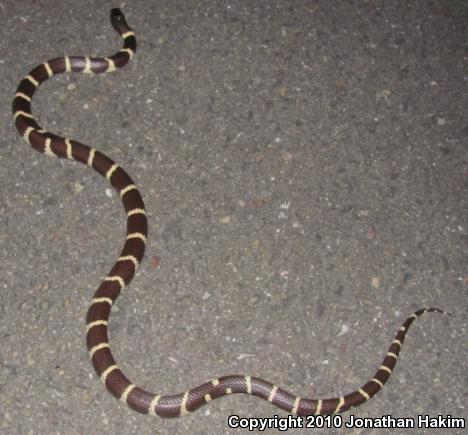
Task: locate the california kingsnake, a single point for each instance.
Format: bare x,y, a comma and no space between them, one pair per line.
122,272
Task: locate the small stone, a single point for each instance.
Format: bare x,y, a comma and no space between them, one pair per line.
255,243
371,233
253,300
375,282
386,93
363,213
30,360
109,193
344,330
154,262
78,187
242,356
340,84
225,220
86,397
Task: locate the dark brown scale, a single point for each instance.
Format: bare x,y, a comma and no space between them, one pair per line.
40,73
135,247
101,163
59,147
261,388
382,376
57,65
116,382
306,407
169,406
22,123
123,269
26,87
284,399
139,400
131,200
108,289
19,103
97,335
329,406
80,151
371,388
102,359
97,311
136,223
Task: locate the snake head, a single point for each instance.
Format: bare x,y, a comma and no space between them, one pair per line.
118,21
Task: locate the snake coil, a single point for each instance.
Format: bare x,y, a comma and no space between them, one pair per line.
122,272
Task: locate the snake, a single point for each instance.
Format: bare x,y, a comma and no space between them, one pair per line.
131,255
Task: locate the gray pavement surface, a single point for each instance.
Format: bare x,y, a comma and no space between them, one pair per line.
304,168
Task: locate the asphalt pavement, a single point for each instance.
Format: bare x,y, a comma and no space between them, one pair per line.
304,169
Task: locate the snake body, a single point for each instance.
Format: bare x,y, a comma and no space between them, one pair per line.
122,272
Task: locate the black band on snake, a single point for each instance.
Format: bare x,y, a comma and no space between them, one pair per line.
173,405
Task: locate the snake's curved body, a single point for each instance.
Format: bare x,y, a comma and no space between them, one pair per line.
122,272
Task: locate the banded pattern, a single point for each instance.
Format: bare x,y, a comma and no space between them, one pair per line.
122,272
